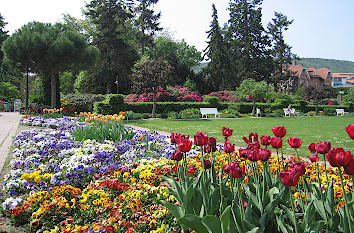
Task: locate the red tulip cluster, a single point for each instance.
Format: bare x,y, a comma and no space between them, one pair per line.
234,170
337,157
176,138
291,177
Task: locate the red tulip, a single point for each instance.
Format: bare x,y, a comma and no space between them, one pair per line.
226,168
226,132
264,154
312,147
323,147
299,168
252,137
289,178
228,147
172,136
207,163
253,155
212,143
314,158
243,152
279,131
207,149
294,142
349,169
276,142
200,139
265,140
337,157
177,155
185,145
177,137
350,131
236,171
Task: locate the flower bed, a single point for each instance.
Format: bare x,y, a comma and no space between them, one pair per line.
58,184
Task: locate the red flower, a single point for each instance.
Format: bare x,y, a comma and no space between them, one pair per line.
252,137
226,168
294,142
350,131
337,157
253,155
212,143
299,168
312,147
200,139
276,142
228,147
207,163
177,155
236,171
314,158
185,145
289,178
177,137
264,154
226,132
349,169
265,140
279,131
323,147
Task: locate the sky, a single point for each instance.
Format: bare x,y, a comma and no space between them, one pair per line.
321,28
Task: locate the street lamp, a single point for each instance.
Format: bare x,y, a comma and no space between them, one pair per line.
116,82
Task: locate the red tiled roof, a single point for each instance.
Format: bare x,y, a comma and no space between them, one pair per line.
351,81
339,75
322,72
296,69
311,69
346,73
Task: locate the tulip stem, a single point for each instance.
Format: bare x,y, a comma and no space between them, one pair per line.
318,177
297,155
346,201
325,165
278,170
293,208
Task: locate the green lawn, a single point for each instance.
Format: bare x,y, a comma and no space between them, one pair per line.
310,129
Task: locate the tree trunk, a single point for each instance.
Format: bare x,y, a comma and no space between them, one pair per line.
154,104
109,88
53,97
254,106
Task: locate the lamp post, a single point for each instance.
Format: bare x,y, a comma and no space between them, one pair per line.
116,82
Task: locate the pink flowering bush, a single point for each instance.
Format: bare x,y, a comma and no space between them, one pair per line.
184,94
224,96
162,96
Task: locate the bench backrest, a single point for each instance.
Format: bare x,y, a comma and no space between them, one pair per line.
209,111
340,110
286,111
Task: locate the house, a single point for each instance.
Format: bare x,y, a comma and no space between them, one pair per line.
310,77
343,79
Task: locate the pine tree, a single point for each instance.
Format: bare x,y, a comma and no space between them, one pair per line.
281,52
146,23
114,37
249,43
216,53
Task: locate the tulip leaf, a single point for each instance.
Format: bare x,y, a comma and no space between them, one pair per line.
176,211
289,214
237,220
316,226
285,228
309,213
254,230
194,222
320,209
214,201
212,223
225,219
330,199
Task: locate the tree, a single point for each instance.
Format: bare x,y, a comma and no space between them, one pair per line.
281,52
48,49
256,90
3,37
115,38
319,94
217,54
149,76
249,43
178,54
146,23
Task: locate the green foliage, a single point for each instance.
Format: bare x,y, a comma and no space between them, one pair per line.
336,66
66,81
283,103
111,130
8,92
81,102
190,113
130,115
212,100
349,97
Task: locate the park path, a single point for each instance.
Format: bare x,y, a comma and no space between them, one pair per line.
9,122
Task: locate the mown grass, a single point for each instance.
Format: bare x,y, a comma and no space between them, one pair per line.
309,129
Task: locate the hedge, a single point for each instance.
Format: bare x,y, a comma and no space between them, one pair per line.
114,103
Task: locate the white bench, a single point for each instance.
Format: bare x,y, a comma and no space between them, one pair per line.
340,112
291,112
258,112
206,111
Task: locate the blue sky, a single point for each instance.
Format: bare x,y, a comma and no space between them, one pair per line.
321,28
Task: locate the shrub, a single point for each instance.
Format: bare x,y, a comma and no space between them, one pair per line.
81,102
190,113
130,115
283,103
161,96
229,113
212,100
223,96
330,111
174,115
184,94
